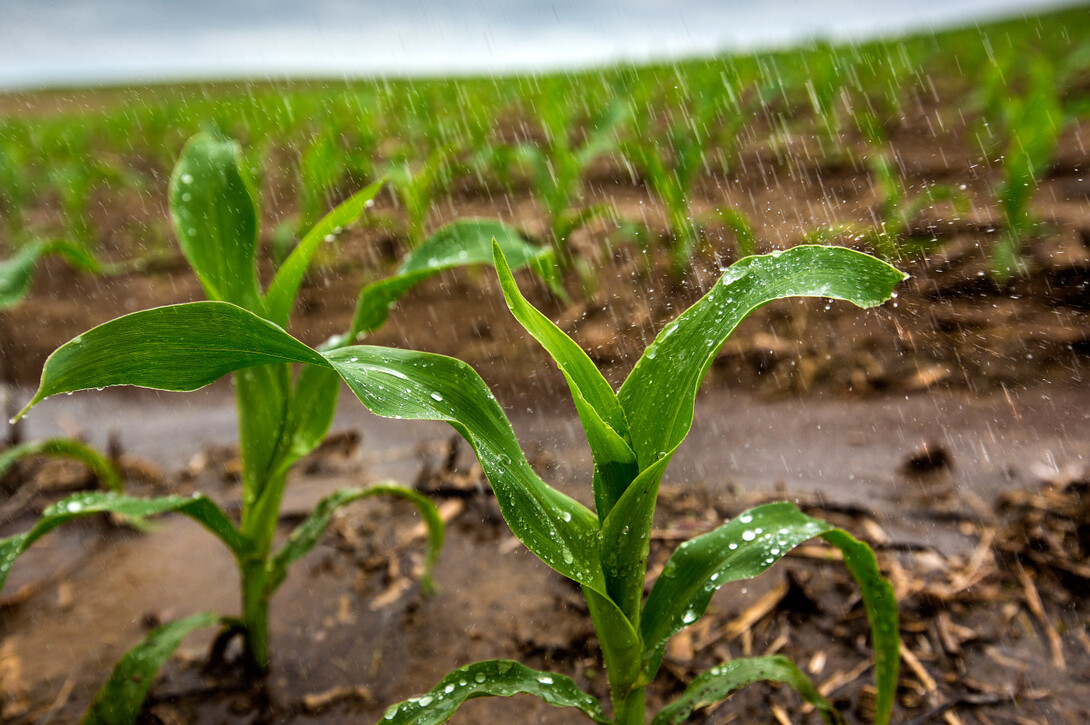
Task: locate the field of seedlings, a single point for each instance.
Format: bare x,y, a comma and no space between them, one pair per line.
488,399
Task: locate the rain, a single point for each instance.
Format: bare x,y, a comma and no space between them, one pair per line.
625,357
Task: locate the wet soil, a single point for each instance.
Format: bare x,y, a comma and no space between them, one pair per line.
948,428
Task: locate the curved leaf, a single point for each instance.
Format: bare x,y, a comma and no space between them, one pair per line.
307,534
601,414
17,272
719,682
179,347
215,219
747,546
285,285
660,415
122,697
423,386
102,467
462,242
739,549
200,508
492,678
880,603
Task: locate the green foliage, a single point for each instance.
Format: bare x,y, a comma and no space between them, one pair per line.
103,468
633,434
120,698
558,163
17,272
892,237
283,414
671,153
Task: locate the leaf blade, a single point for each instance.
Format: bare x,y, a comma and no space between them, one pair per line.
179,347
423,386
740,549
659,416
596,403
463,242
282,291
215,219
719,682
307,534
199,508
121,698
492,678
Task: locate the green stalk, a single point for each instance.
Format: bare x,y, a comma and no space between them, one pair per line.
630,710
255,611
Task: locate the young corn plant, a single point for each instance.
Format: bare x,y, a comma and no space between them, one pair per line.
891,237
283,413
670,159
1034,123
633,434
559,164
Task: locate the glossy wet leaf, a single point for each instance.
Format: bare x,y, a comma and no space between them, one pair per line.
601,415
746,547
215,219
199,508
492,678
880,604
423,386
719,682
739,549
463,242
180,347
102,467
281,294
659,393
121,699
307,534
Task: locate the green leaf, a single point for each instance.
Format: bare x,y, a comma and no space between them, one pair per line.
601,414
463,242
102,467
423,386
746,547
17,272
719,682
660,414
740,549
307,534
492,678
880,603
285,285
179,347
122,697
197,507
215,217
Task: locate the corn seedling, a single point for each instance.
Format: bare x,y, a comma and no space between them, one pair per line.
1033,123
282,415
559,163
633,434
670,159
891,236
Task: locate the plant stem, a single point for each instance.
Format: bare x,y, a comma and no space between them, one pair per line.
630,710
255,612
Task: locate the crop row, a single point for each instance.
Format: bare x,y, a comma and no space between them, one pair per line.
1015,85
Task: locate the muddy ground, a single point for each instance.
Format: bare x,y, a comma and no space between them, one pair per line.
948,428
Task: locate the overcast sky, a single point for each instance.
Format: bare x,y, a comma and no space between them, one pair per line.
45,42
